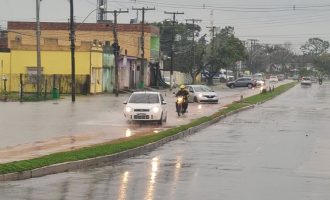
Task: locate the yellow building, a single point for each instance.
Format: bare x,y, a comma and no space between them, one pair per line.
55,60
89,55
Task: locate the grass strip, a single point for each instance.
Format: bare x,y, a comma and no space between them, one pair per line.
121,145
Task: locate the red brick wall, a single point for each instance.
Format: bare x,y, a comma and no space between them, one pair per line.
81,27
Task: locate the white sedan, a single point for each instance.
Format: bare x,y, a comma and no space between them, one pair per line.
145,106
306,81
202,93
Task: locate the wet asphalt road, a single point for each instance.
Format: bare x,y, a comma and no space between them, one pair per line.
278,150
42,128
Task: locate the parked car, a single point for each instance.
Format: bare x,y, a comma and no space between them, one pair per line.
242,82
259,80
146,106
280,77
167,81
222,78
306,81
273,79
260,83
201,93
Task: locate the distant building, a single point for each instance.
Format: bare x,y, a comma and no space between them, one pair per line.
94,58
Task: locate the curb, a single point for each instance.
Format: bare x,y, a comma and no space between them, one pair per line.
109,159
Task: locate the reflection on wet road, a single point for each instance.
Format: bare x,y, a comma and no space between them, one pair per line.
279,150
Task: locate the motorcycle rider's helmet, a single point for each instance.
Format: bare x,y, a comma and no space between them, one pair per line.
182,87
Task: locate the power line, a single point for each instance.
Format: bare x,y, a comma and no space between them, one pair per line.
236,8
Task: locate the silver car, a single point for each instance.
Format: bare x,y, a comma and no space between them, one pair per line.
202,93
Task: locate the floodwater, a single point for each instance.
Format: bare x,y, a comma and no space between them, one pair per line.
29,130
278,150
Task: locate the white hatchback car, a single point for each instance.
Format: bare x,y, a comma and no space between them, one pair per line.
145,106
201,93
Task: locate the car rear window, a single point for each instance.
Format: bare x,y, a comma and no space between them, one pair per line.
144,98
306,79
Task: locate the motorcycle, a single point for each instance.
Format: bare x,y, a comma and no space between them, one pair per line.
180,105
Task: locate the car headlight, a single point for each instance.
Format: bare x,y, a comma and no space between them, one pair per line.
128,109
155,109
200,95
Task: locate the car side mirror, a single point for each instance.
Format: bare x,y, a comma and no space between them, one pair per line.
125,102
173,92
163,102
192,91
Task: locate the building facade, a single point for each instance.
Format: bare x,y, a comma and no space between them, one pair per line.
94,57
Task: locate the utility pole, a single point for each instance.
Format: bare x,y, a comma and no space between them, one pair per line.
73,63
115,46
172,45
38,48
252,48
212,30
143,9
193,40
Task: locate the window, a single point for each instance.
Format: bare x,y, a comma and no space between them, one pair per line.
32,74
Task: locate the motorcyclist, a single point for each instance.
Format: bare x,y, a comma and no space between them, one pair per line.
184,93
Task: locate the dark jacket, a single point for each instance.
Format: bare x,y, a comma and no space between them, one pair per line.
183,93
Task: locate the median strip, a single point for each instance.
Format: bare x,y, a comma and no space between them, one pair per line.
122,148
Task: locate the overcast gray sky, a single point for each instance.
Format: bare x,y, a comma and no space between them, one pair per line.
269,21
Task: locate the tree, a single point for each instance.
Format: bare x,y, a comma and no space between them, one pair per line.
223,52
322,63
315,47
183,43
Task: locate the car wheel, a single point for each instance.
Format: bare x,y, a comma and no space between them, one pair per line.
232,86
165,119
249,86
160,121
195,99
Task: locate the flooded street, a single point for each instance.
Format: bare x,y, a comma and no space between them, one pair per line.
42,128
278,150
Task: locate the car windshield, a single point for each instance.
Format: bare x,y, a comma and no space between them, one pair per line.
144,98
202,89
